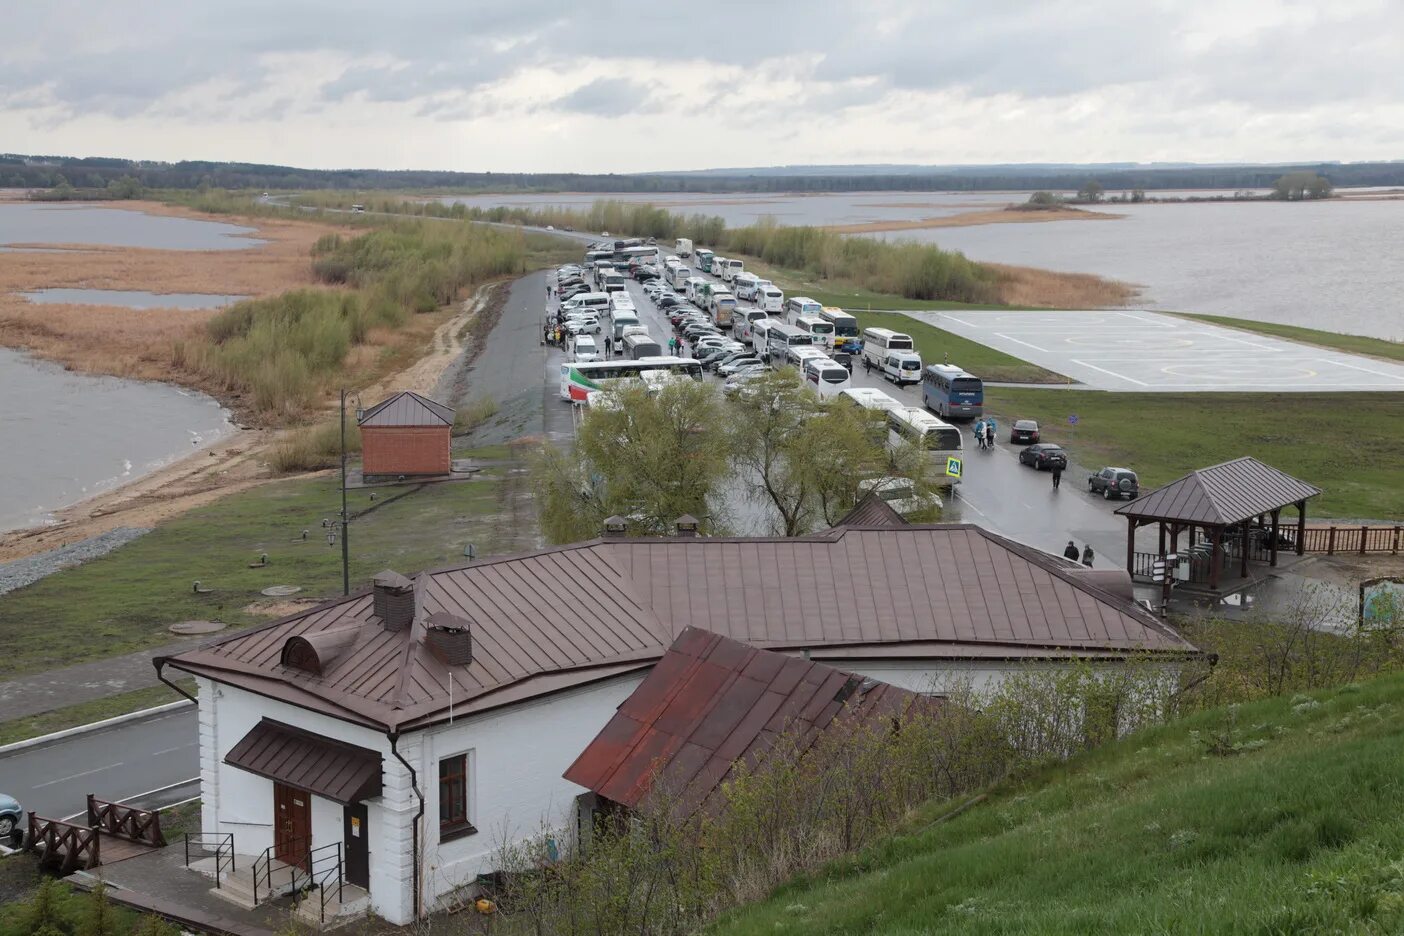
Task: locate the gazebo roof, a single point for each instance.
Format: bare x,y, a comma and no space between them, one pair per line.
1222,495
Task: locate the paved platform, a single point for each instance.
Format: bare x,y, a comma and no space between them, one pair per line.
1150,352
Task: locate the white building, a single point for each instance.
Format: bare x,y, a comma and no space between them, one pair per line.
420,724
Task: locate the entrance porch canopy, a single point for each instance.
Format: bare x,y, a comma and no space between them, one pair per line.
343,773
1224,501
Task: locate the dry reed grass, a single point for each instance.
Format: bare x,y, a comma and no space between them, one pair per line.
1028,286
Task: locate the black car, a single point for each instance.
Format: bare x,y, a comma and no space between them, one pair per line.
670,300
1023,430
1044,455
1115,482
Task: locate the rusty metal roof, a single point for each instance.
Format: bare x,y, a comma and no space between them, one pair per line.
872,510
339,771
407,408
558,618
711,702
1222,495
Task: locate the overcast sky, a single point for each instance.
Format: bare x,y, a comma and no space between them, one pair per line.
543,85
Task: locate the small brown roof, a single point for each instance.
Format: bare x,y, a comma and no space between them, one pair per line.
407,408
559,618
339,771
711,702
1222,495
872,510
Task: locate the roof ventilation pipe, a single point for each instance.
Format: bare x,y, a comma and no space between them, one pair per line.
616,527
450,638
394,600
686,525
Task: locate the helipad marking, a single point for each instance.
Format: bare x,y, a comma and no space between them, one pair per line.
1017,341
1113,373
1365,369
1276,375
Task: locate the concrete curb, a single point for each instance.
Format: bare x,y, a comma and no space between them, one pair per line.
57,736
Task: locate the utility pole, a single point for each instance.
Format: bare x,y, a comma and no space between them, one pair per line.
345,516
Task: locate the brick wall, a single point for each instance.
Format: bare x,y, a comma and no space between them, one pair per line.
405,450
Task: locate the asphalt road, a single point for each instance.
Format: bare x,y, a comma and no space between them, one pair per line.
120,763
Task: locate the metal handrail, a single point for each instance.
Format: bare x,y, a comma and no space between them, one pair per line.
266,862
226,845
329,871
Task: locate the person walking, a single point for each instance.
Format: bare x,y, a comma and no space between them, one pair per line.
980,434
991,430
1071,551
1087,555
1057,475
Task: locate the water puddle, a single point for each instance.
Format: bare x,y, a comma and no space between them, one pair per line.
131,298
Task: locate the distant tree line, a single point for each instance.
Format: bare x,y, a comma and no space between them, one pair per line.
97,173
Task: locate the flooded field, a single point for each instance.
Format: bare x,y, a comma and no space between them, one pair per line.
130,298
30,223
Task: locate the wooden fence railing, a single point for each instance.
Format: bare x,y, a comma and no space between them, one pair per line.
63,845
1354,539
128,822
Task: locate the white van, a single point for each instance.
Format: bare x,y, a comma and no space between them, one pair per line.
730,269
597,302
583,348
745,286
826,376
902,367
770,299
878,341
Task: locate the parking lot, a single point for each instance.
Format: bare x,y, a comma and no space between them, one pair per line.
1153,352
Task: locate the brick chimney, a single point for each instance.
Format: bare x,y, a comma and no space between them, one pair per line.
394,600
686,525
450,638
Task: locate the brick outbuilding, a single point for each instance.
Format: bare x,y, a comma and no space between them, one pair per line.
407,434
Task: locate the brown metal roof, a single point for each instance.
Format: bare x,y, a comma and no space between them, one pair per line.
1222,495
872,510
339,771
407,408
712,702
563,617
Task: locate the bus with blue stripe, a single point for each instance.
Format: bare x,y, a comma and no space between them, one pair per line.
948,391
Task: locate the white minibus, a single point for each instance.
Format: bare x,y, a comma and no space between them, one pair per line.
902,367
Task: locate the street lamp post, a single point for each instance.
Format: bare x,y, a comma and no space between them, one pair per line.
345,516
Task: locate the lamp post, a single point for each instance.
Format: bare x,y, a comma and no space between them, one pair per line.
345,517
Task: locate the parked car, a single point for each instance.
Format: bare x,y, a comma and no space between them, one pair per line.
1044,455
670,300
11,816
583,326
736,365
1023,430
1115,482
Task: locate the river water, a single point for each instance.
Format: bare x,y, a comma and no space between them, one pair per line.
65,436
1329,265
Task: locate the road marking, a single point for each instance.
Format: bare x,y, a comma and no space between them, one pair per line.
1365,369
1113,373
179,747
1017,341
40,786
947,315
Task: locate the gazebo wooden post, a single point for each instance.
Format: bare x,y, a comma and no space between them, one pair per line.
1301,527
1161,524
1175,538
1272,550
1216,542
1243,560
1131,546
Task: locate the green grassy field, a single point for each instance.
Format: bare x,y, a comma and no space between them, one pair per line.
85,713
1355,344
1298,830
1348,444
125,601
934,344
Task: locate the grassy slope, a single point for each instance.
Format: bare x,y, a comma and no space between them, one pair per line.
1348,444
1354,344
125,601
1302,831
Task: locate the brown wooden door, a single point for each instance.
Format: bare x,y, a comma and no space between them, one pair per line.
292,827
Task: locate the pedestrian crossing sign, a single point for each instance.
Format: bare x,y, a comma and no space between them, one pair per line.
953,467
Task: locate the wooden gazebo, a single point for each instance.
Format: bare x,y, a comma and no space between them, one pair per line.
1238,503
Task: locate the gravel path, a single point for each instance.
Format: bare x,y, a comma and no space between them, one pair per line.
31,569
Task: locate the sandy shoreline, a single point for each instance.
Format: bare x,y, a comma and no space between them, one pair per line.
973,218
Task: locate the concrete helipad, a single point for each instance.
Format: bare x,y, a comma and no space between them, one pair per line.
1153,352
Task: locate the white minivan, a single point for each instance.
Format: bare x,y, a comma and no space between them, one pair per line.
902,367
583,348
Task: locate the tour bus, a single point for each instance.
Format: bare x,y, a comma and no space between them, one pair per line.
683,246
941,441
692,289
875,401
770,299
949,391
845,328
745,285
620,300
704,259
797,356
795,306
742,320
620,320
826,376
640,254
760,335
731,269
614,282
722,306
780,337
578,381
601,271
641,346
677,276
878,341
821,329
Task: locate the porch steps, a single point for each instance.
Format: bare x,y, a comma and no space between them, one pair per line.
354,904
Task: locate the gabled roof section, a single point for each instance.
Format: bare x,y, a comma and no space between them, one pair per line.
711,702
872,510
1222,495
407,408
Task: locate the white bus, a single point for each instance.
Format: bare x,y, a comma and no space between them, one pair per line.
637,347
910,425
746,285
878,341
683,246
826,377
678,275
800,305
692,288
730,269
780,338
875,402
579,380
845,328
760,335
770,299
743,320
821,329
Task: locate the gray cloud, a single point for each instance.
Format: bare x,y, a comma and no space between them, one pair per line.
605,97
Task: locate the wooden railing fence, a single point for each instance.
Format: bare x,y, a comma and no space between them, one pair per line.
128,822
63,845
